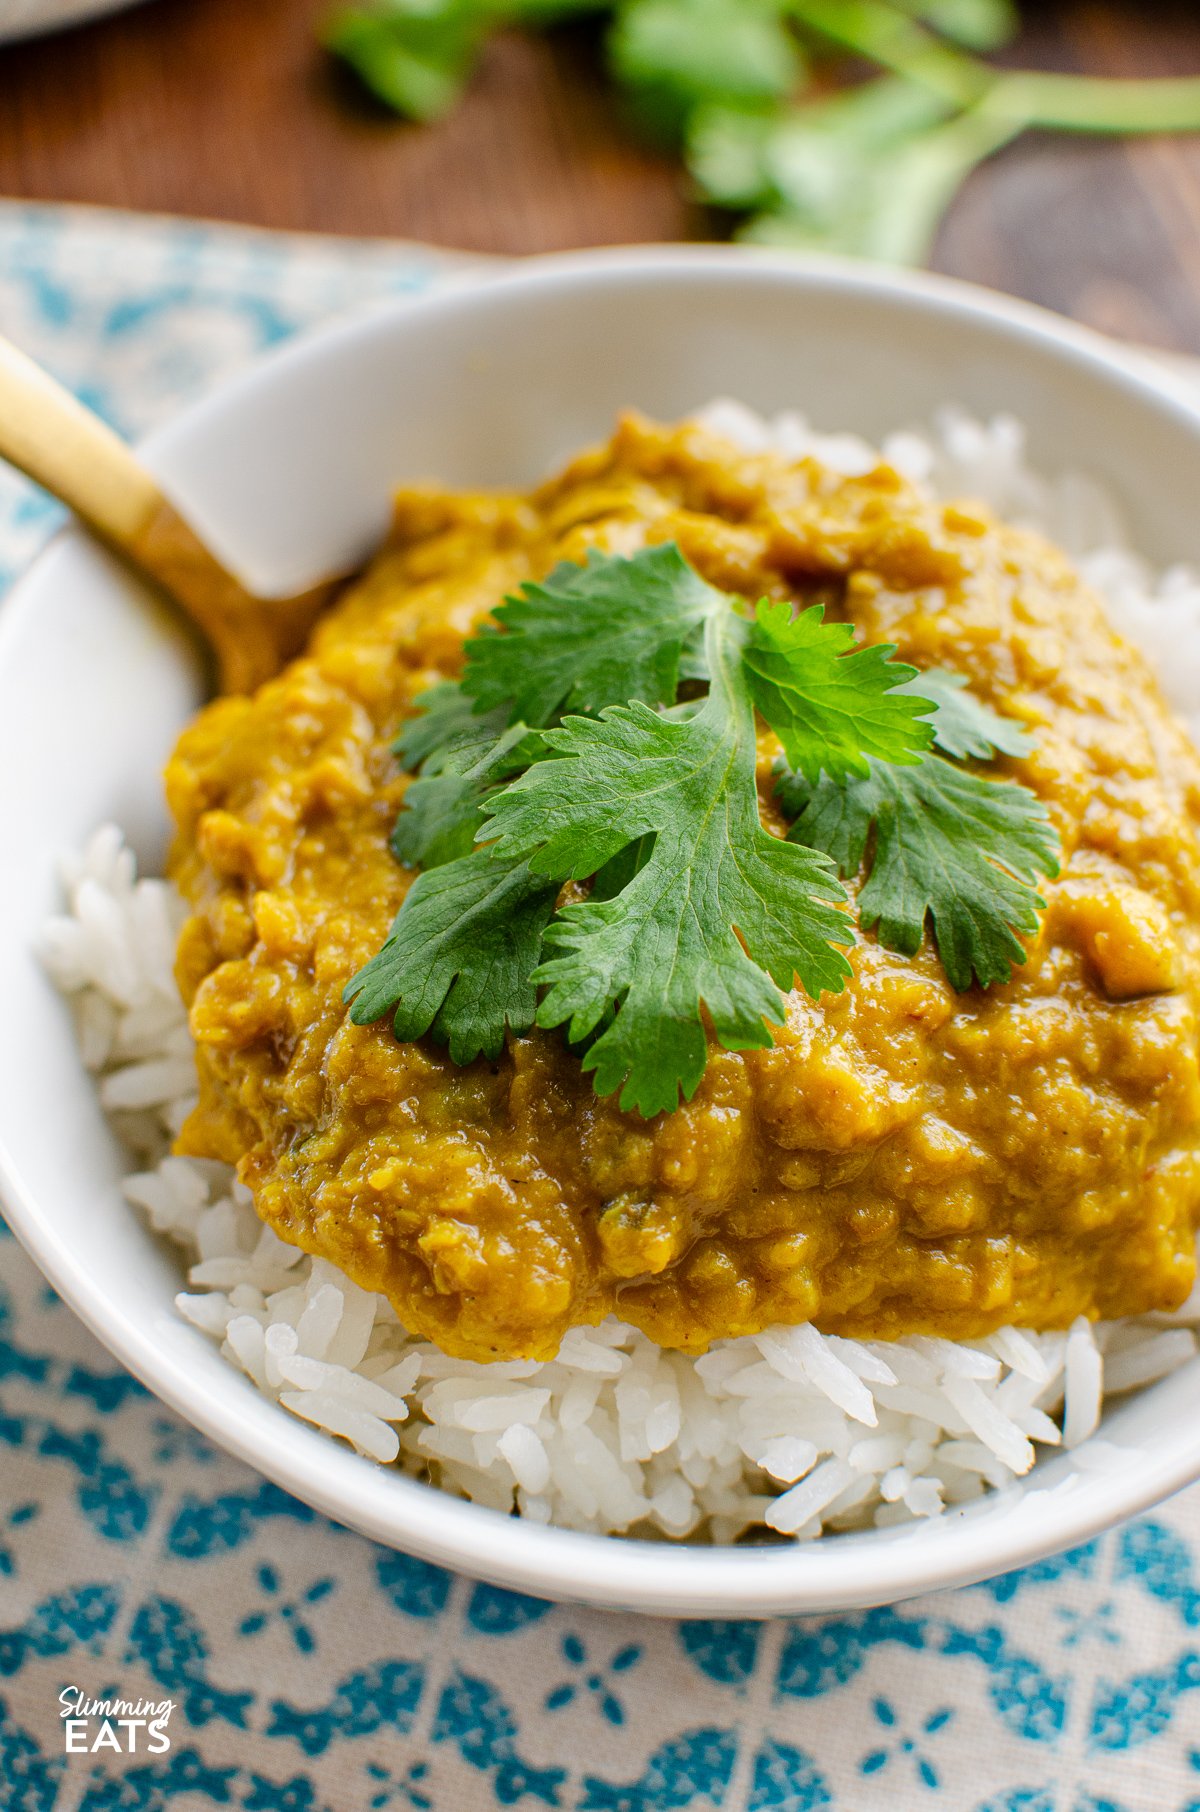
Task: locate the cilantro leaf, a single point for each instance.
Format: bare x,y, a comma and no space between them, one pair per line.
831,704
978,24
727,150
414,55
445,717
949,845
542,14
891,209
816,163
459,756
676,53
590,636
441,812
459,959
717,918
963,725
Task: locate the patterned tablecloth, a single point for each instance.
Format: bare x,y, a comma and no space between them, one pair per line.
310,1670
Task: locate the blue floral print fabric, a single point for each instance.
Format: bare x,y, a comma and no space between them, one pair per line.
310,1671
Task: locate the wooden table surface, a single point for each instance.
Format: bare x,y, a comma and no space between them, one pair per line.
227,108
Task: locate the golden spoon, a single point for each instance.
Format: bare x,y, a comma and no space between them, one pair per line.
48,434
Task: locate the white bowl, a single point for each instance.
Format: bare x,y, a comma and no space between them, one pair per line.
290,471
30,18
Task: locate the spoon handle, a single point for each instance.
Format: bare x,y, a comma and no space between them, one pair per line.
48,434
62,446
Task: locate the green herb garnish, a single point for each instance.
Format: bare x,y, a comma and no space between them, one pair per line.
719,913
460,755
589,636
565,754
949,846
831,704
460,958
963,726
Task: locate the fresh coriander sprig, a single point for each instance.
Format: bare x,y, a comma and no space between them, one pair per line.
585,637
963,726
947,845
460,957
460,755
743,87
831,704
717,919
697,918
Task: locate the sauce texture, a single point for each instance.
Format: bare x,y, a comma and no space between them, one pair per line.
904,1159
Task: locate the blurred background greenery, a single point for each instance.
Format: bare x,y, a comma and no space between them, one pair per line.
835,125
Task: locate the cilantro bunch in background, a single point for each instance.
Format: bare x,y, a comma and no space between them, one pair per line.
604,734
755,95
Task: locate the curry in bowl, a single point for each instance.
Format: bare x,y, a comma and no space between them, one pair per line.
722,927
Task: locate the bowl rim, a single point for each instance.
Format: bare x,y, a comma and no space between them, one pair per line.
33,23
675,1579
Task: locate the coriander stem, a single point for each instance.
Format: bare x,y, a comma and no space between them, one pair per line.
874,29
1064,103
934,169
1072,103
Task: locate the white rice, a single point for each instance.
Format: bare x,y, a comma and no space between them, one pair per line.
791,1428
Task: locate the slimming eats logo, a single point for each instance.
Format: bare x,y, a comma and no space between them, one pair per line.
90,1725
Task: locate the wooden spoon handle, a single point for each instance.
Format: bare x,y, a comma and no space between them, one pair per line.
61,445
47,434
